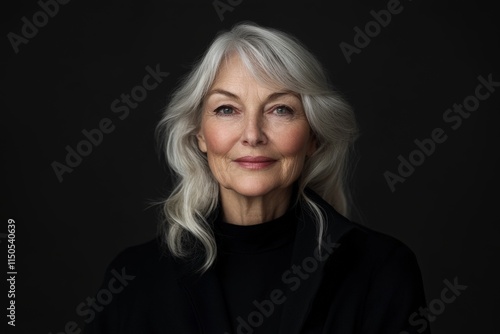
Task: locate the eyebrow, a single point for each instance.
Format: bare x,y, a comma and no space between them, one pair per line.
270,97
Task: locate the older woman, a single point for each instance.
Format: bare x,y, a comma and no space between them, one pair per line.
254,237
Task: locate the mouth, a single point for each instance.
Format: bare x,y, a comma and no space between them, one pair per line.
258,162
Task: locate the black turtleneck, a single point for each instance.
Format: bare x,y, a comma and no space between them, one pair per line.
250,263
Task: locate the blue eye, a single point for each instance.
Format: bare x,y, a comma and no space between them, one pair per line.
224,110
283,110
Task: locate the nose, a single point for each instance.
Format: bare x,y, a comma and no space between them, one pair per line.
253,130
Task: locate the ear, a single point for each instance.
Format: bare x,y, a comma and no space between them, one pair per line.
202,144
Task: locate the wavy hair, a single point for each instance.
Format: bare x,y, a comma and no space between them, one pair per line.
274,58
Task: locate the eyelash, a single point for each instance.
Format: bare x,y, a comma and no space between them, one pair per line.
288,109
218,111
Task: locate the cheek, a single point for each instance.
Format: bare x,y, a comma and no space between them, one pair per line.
218,140
295,142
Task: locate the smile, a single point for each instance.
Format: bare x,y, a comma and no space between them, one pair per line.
250,162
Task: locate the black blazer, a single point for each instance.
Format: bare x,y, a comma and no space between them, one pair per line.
362,282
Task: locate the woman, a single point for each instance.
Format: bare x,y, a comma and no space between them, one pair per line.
254,238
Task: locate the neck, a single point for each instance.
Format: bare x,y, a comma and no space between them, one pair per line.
243,210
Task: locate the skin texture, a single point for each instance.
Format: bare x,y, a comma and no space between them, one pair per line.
242,118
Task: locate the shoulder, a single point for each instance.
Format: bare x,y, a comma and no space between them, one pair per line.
380,244
139,255
144,259
141,280
375,249
379,267
152,261
384,256
385,272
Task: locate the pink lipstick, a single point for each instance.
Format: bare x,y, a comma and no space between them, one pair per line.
257,162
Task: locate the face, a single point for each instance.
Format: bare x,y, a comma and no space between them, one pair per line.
256,138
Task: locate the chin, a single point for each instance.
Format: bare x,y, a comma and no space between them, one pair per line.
254,188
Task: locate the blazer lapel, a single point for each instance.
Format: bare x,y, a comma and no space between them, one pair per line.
207,301
300,296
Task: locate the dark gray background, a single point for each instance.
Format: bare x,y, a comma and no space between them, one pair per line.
65,78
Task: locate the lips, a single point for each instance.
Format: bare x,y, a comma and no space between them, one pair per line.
254,162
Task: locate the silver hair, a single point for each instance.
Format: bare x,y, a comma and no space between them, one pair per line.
274,58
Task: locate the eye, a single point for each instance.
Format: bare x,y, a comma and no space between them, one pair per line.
224,110
283,110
